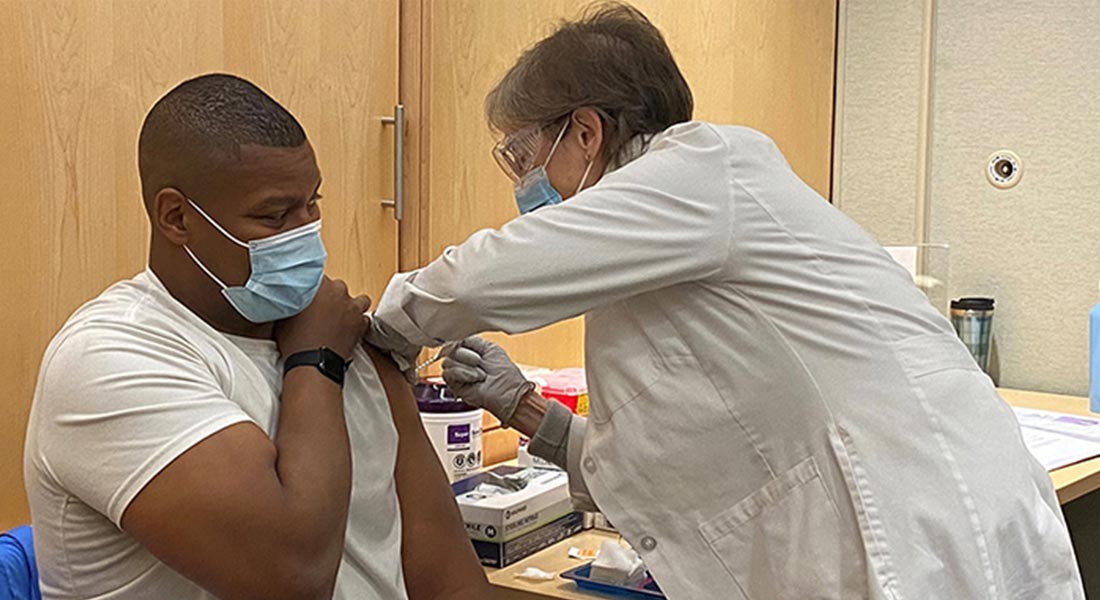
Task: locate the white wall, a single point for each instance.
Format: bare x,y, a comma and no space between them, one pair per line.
1017,75
878,101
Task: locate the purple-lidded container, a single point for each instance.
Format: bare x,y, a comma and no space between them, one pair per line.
436,398
453,426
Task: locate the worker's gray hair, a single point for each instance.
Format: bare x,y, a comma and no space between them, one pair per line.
612,59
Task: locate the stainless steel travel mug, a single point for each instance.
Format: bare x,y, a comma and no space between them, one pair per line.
973,321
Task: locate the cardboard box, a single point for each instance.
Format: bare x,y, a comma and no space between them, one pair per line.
500,518
503,554
499,445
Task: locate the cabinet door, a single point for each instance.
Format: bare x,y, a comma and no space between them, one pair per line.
767,64
78,77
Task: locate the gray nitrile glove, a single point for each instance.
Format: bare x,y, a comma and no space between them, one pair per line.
480,372
387,339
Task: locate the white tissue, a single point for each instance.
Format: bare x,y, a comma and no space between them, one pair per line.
535,575
489,490
616,565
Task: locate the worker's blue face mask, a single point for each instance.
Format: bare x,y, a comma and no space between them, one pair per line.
287,269
534,191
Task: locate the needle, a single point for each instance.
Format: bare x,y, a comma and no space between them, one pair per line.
444,351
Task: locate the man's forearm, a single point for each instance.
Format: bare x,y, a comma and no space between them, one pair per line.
314,463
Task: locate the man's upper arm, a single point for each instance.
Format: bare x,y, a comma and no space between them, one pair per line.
429,515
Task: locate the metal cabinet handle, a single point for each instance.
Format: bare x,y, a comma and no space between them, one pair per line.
398,122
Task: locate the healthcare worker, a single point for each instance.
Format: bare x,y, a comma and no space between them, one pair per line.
776,410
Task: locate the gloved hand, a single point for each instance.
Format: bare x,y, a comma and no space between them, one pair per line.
480,372
387,339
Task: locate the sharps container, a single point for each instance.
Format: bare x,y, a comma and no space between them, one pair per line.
453,426
973,321
567,386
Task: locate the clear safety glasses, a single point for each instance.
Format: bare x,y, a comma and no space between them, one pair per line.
516,153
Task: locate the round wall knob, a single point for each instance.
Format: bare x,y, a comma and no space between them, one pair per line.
1004,169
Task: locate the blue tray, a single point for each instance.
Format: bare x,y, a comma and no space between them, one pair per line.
647,589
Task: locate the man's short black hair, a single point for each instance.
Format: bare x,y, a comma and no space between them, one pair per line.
202,123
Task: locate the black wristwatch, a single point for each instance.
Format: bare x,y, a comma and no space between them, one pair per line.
327,361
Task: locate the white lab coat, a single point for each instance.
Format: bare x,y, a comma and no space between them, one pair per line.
776,410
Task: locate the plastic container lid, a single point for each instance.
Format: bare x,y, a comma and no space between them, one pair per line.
434,397
972,304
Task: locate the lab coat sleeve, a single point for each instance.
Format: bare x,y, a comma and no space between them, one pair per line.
578,489
560,440
663,219
551,439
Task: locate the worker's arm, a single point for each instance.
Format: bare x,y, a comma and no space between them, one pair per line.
663,219
430,521
247,516
481,373
556,435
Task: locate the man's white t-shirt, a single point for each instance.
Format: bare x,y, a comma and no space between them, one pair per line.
133,380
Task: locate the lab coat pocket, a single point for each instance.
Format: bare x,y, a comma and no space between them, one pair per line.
784,541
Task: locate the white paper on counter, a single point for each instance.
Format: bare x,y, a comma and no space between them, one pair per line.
1085,428
1055,450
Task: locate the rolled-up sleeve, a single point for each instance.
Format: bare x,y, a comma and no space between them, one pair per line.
578,489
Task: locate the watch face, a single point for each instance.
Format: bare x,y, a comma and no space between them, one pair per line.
333,364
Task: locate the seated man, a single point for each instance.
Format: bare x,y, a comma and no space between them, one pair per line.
196,432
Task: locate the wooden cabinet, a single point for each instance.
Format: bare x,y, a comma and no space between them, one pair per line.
78,77
767,64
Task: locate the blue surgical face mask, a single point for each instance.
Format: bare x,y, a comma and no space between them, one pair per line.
534,190
287,269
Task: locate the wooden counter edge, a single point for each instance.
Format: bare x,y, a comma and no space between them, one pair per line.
1076,480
